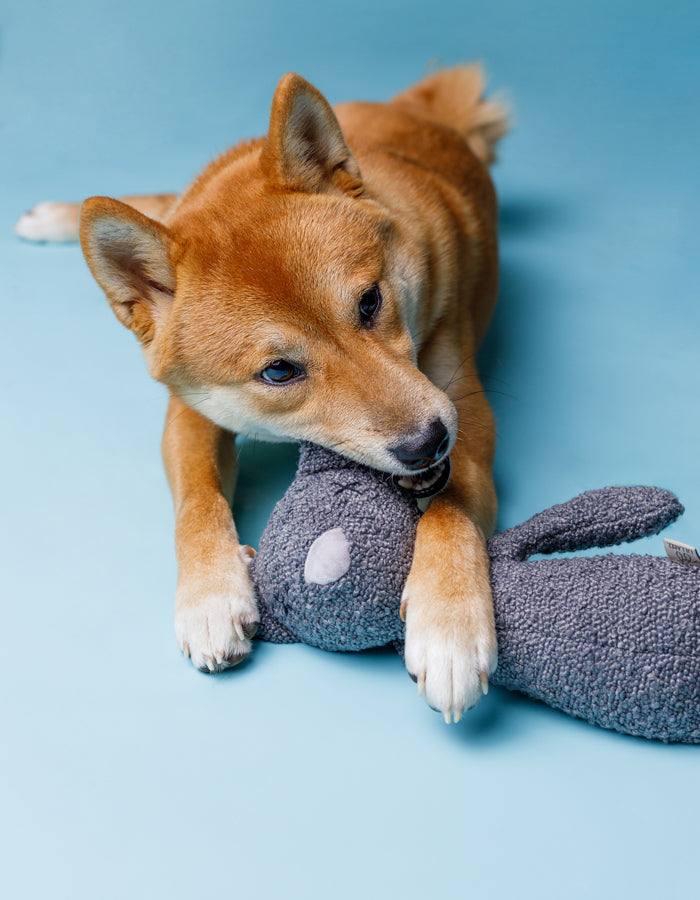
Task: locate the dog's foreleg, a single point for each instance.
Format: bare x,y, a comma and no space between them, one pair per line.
215,614
447,604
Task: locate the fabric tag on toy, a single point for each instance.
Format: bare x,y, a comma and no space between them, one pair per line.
681,553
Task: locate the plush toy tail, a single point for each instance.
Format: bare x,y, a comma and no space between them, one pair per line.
598,518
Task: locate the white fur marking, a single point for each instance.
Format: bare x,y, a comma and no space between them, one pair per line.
448,652
210,628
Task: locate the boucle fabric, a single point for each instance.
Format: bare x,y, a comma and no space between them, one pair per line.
360,610
613,639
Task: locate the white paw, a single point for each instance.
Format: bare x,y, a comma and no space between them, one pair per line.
216,630
54,222
450,651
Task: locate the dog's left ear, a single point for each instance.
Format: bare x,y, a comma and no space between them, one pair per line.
305,149
130,257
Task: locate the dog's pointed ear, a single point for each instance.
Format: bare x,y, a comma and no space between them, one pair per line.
305,149
130,256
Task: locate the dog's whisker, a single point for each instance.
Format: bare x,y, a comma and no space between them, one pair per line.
472,424
188,406
476,376
484,391
460,366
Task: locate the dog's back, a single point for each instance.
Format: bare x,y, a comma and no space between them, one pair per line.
427,125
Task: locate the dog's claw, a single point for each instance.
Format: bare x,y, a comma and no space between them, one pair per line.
420,684
250,629
484,679
457,716
239,630
447,716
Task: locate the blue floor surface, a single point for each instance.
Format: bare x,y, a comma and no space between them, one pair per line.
125,774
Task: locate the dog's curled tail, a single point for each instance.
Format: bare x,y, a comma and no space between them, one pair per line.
455,97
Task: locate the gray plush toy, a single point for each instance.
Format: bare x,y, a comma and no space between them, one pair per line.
613,639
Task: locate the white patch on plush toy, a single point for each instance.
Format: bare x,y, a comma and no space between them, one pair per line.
328,558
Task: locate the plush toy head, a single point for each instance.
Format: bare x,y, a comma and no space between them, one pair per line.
613,639
335,555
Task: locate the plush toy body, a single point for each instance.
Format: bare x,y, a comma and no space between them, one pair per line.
611,639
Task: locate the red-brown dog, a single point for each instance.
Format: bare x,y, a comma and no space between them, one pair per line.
329,282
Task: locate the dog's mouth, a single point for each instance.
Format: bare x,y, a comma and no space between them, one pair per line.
426,483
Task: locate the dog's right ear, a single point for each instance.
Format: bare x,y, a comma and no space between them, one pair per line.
130,256
305,149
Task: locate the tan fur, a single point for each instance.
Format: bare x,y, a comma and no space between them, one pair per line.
265,257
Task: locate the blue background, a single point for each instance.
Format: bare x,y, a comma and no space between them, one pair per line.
125,773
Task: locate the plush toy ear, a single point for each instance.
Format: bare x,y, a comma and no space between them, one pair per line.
599,518
130,257
305,149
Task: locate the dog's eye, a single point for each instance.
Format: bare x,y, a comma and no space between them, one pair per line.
280,371
369,305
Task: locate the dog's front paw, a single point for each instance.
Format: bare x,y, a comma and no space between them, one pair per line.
214,627
450,638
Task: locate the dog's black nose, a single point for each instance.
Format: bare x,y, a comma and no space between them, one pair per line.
424,448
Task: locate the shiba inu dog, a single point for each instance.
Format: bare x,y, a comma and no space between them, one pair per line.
329,282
